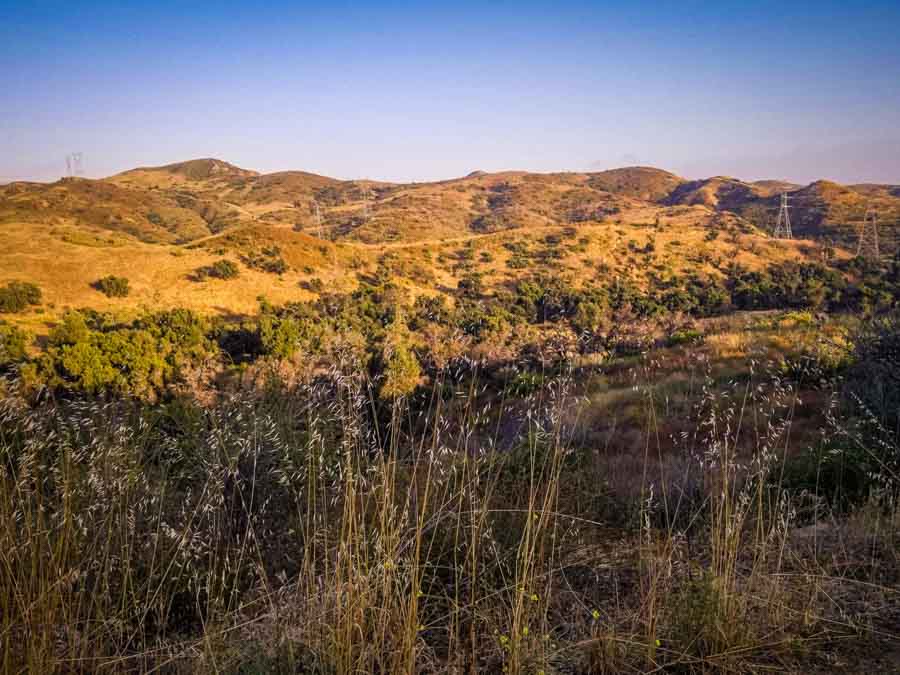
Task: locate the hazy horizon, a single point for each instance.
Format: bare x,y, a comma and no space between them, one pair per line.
402,93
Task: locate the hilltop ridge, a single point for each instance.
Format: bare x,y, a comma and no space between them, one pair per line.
292,230
191,199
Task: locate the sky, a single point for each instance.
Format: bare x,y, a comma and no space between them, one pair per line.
424,91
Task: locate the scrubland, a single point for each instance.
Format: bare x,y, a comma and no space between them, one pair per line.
722,504
511,423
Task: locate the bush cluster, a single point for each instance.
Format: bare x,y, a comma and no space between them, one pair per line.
17,296
269,259
113,287
89,352
92,353
221,269
13,341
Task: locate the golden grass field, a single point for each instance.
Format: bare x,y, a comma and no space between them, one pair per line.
160,274
157,226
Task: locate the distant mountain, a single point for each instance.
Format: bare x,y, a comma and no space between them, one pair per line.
193,170
771,187
720,193
639,182
292,232
189,200
143,214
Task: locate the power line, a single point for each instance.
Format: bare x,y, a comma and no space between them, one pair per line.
315,205
367,195
783,222
74,164
867,246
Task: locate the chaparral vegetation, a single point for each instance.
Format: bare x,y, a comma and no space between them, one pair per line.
582,424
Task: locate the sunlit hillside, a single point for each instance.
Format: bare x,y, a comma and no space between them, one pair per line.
158,225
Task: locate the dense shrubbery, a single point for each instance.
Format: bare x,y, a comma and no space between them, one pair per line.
861,458
88,352
402,373
790,285
873,384
875,375
454,499
112,286
13,341
17,296
840,475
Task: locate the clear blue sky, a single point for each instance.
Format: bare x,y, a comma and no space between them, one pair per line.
419,91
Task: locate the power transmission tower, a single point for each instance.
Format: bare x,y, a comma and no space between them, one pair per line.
315,204
320,232
74,165
783,222
367,195
867,246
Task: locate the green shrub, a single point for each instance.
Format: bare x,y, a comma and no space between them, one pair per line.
684,337
590,316
74,328
112,286
267,260
546,298
429,309
314,285
16,296
223,269
517,262
12,344
89,353
402,372
276,266
471,286
479,319
281,336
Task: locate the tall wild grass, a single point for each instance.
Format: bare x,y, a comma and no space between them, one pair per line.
315,528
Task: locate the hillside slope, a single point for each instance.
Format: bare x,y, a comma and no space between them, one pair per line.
639,182
293,231
97,205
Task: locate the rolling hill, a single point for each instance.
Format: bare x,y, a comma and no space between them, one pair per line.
639,182
96,206
287,230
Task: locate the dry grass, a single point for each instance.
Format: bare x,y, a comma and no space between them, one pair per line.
289,533
65,260
66,235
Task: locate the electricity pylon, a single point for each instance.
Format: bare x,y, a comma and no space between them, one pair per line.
315,205
74,164
367,195
783,222
867,245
